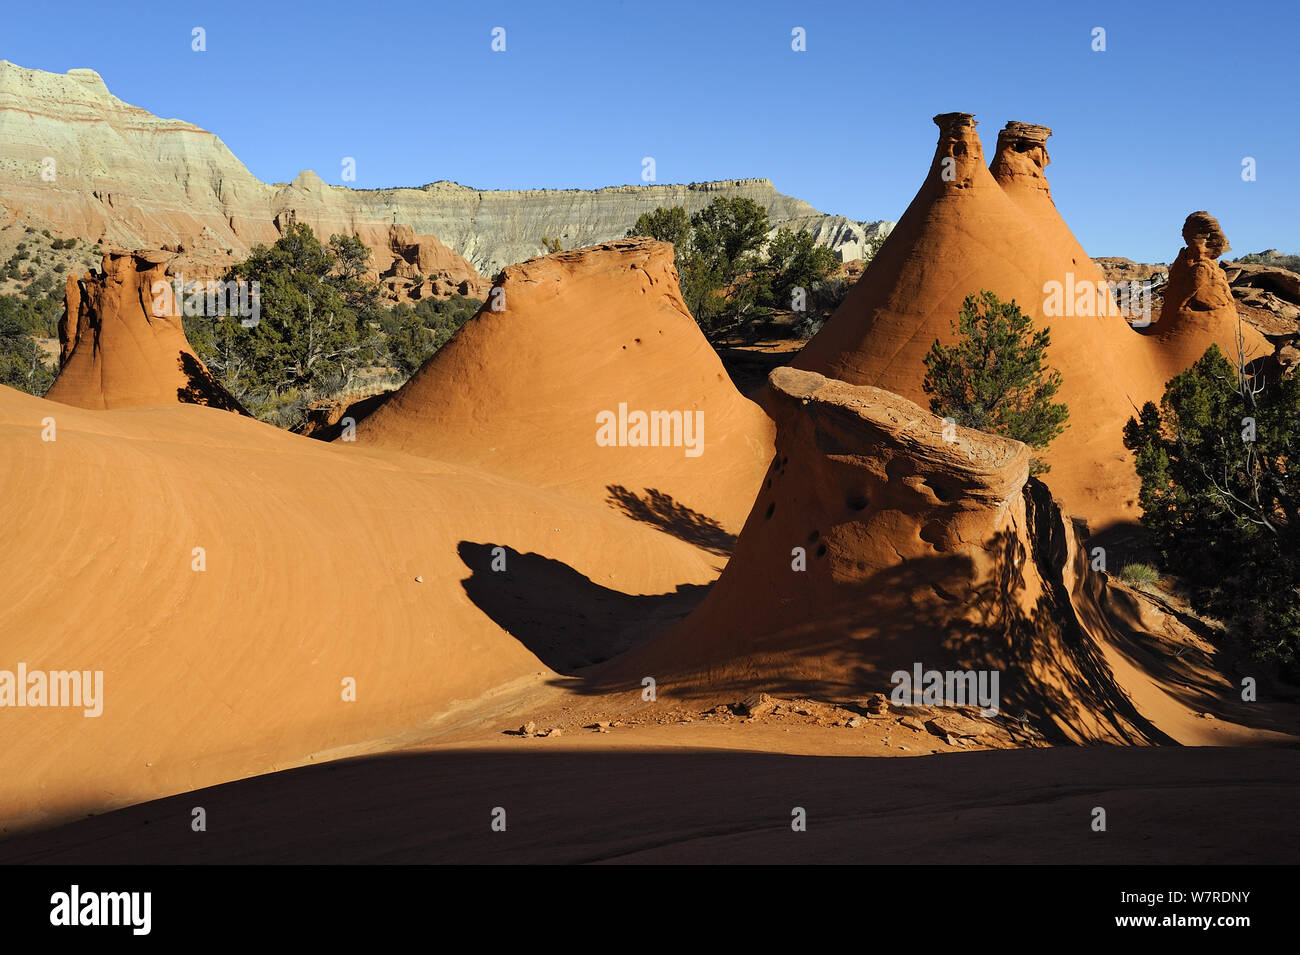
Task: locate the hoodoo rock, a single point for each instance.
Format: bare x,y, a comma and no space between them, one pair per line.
882,540
966,231
440,271
122,345
1022,156
1019,167
1199,309
584,371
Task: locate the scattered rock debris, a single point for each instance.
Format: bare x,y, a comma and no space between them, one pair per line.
957,727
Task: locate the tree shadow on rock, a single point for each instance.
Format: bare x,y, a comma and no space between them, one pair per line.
944,612
201,388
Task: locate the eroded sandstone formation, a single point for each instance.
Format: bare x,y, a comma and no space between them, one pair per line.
420,266
883,540
548,381
1022,156
967,231
1199,309
122,341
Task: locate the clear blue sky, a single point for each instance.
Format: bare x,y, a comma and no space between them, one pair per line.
1146,132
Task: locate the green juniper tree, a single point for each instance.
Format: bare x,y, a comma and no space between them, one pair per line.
1221,496
993,377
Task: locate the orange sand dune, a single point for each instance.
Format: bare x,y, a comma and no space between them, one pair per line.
117,353
966,231
311,551
519,391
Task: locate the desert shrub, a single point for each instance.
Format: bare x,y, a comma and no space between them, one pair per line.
35,315
1291,262
22,363
413,334
1139,575
1220,497
994,378
316,317
795,262
731,274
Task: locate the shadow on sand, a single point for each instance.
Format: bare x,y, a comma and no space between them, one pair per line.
660,510
1175,805
562,617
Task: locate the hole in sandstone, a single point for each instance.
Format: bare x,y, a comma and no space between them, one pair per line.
932,533
947,495
899,468
770,509
814,537
821,550
856,502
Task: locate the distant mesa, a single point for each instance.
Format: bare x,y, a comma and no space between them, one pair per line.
127,177
568,341
115,352
1199,308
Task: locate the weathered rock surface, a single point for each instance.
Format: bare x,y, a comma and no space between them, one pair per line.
420,266
1267,296
966,231
877,543
1199,308
118,349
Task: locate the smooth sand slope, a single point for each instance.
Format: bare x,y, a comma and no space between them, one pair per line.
967,231
311,554
518,391
539,550
476,551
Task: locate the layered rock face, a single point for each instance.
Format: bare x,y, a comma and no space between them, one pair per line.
882,540
1022,156
966,231
495,228
584,371
1199,308
132,180
79,160
122,345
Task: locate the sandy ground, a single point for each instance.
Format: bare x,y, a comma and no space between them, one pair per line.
697,794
